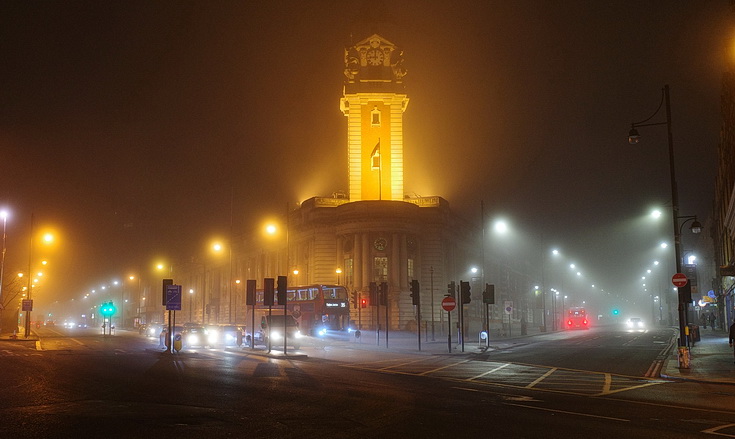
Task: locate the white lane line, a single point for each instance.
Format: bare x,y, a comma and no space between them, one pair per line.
567,412
488,372
541,378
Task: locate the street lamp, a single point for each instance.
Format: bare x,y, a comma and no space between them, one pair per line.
633,139
191,294
47,238
4,215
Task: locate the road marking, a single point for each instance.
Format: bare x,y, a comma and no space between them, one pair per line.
541,378
654,370
567,412
489,372
713,430
443,367
608,382
625,389
403,364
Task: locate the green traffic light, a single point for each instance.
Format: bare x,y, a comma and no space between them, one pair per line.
107,309
616,312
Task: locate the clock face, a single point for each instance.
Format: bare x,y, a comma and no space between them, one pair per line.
380,244
375,57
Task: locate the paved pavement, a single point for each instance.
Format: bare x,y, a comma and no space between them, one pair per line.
711,359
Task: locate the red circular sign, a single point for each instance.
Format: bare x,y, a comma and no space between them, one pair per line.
679,279
449,303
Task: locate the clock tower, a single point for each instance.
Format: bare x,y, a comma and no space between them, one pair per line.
373,101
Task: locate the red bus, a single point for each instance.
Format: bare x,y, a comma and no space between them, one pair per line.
314,307
577,319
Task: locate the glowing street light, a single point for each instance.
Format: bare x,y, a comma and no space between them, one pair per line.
4,214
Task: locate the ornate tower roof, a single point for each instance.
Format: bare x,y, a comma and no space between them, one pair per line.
374,65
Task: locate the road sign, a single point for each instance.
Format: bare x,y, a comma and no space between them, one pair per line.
173,297
449,303
27,305
508,308
679,279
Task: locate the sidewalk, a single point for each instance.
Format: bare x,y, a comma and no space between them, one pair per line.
711,360
7,335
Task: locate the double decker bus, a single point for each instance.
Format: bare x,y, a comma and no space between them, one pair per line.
577,319
315,307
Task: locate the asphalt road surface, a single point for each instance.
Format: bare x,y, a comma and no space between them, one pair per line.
79,383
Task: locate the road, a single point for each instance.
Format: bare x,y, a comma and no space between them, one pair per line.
80,383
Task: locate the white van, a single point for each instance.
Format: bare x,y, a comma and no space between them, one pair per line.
272,326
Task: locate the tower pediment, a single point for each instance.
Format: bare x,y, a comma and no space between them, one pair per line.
374,60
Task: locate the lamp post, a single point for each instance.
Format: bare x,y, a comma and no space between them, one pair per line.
191,294
634,138
4,215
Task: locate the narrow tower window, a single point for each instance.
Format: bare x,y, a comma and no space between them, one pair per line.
375,117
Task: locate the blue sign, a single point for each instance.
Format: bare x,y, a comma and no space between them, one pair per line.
173,297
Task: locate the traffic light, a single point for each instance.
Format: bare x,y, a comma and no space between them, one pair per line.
373,294
384,293
282,286
488,296
685,293
353,296
107,309
363,303
268,291
464,289
615,311
250,292
415,292
451,289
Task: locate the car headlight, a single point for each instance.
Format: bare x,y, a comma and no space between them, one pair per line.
322,332
297,334
230,337
193,339
630,324
275,335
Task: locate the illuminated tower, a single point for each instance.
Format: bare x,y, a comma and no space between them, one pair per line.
374,101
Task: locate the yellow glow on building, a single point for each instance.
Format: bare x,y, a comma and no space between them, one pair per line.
373,103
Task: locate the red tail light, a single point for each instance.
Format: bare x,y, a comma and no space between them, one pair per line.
570,323
584,322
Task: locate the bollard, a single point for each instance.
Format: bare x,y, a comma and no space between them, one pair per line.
683,355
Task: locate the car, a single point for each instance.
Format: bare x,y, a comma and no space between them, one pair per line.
153,330
230,335
274,324
193,336
213,334
635,323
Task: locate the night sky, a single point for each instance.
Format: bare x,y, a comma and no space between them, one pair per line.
132,127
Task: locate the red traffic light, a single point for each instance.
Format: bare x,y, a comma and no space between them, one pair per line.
363,303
